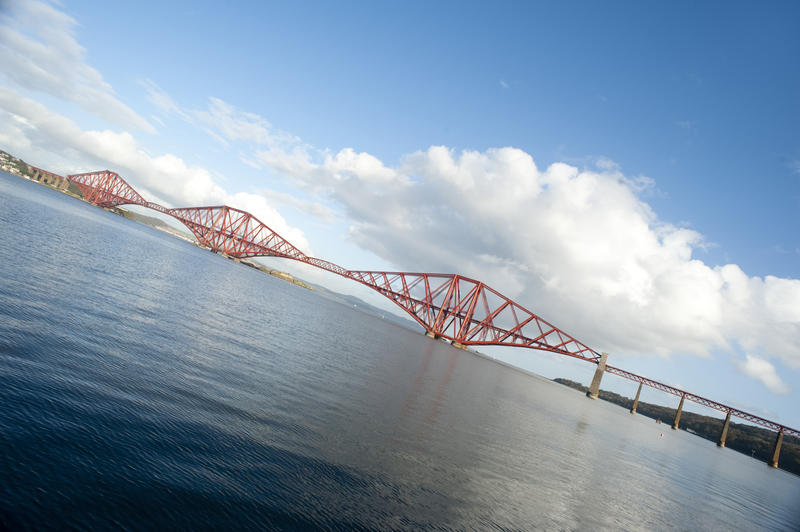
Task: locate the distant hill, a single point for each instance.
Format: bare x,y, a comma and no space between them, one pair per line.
747,439
18,167
363,306
344,299
152,221
13,165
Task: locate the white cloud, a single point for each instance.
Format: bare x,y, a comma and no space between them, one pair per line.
763,371
161,100
233,125
604,163
38,52
578,246
222,121
317,210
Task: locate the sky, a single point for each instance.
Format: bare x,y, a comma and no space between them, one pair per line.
628,171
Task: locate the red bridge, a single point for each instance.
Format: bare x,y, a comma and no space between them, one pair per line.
460,309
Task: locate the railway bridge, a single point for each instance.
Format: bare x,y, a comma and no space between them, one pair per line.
464,311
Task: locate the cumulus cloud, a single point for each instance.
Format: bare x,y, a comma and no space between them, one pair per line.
31,128
578,246
763,371
39,52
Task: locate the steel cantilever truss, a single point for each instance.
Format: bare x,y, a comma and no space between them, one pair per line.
471,313
234,232
106,189
450,306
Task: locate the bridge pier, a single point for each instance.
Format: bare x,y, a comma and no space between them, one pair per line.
677,421
594,388
724,434
458,345
776,453
431,334
636,399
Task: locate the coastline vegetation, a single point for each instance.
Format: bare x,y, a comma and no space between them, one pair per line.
748,439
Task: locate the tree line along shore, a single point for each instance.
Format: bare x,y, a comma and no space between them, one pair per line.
748,439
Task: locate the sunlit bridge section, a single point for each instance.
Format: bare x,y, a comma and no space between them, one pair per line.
469,312
106,189
234,232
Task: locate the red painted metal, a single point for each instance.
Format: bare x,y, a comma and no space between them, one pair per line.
469,312
234,232
451,306
106,189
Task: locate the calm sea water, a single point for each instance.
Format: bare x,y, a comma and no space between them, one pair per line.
148,384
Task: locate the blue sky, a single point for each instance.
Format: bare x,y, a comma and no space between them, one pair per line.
628,171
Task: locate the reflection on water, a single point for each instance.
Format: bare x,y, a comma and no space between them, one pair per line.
149,384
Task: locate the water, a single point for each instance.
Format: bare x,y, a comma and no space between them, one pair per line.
145,383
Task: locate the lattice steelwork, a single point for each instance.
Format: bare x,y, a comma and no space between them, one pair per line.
471,313
106,189
234,232
451,306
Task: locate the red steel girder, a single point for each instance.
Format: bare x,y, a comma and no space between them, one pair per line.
106,189
235,232
471,313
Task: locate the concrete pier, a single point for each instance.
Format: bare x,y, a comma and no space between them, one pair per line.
776,453
677,421
636,399
594,389
724,434
458,345
431,334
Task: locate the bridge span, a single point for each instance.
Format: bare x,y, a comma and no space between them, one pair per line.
449,306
